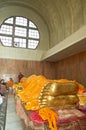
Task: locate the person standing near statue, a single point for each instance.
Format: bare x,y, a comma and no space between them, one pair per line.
20,76
9,85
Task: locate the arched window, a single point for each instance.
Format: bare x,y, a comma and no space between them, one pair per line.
19,32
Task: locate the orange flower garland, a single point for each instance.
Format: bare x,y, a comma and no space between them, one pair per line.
51,116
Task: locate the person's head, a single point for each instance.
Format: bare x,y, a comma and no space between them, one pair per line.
2,81
11,79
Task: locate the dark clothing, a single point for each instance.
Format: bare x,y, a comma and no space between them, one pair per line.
20,76
2,94
2,82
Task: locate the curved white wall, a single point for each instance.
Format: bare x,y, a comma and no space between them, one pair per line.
27,54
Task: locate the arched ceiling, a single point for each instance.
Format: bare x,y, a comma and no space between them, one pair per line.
62,18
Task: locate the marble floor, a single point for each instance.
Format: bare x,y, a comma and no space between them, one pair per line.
13,122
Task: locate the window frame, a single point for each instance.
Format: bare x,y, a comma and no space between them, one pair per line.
35,37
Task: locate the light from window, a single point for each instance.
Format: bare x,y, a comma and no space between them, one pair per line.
20,42
21,21
31,25
7,41
6,29
9,21
19,32
33,33
32,44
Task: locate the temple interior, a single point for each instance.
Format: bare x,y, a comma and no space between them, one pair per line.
42,64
